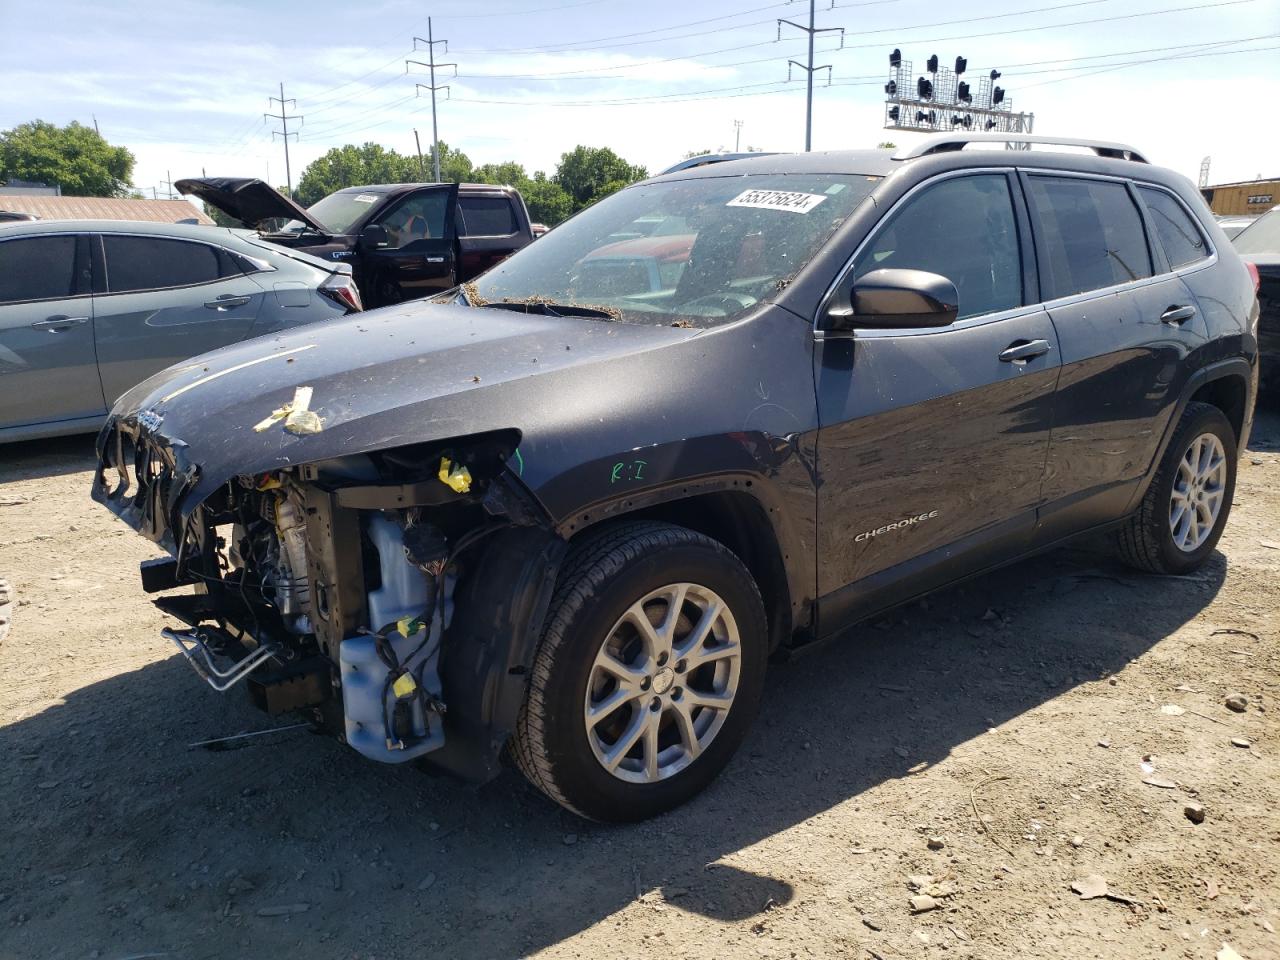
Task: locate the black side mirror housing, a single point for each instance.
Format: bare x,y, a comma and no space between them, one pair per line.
375,237
892,299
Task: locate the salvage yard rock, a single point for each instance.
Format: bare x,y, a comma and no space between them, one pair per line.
921,903
1194,812
1237,702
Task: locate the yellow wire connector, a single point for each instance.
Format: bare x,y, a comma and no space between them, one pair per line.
454,476
404,686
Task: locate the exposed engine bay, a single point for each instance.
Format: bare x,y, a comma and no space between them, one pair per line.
334,588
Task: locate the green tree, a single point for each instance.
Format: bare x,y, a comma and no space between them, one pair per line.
509,173
886,145
590,173
353,166
73,157
548,204
455,166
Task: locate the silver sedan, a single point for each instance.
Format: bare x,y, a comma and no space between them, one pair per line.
90,308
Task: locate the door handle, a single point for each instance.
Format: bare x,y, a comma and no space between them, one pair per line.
1177,315
434,259
58,324
226,302
1021,351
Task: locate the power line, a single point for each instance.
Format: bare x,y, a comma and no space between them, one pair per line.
812,32
284,118
433,87
700,94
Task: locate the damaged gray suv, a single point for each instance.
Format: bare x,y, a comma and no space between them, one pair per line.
565,513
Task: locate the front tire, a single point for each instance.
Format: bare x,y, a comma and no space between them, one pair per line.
649,672
1181,517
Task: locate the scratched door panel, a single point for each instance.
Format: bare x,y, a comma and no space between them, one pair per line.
928,424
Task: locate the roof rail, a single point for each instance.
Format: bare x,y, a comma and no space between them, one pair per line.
950,142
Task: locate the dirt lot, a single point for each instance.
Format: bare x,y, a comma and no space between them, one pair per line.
1008,719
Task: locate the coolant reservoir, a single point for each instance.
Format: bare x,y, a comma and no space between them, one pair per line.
405,593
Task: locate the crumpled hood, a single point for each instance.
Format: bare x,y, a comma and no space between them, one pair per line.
405,374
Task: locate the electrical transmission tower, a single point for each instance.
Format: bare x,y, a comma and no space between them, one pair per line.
737,136
811,30
1204,172
431,65
284,117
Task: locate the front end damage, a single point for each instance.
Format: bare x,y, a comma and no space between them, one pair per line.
395,596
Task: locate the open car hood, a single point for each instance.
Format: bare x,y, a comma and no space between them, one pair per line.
249,200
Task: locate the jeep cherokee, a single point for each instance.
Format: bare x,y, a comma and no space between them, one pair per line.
571,526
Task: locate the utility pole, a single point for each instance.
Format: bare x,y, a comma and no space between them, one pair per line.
431,65
737,136
418,143
168,183
284,117
811,30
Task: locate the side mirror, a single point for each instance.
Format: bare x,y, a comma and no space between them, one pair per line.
375,237
894,299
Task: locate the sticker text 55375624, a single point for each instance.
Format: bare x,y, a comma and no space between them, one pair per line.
777,200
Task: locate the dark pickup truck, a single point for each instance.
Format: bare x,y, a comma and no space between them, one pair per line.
403,240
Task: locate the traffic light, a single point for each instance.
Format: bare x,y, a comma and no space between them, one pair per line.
997,95
963,94
894,113
961,65
924,89
929,118
990,124
895,58
891,88
995,75
932,65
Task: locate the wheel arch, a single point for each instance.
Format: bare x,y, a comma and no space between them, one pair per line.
1230,385
736,511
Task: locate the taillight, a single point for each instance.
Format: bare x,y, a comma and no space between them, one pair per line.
341,289
1253,272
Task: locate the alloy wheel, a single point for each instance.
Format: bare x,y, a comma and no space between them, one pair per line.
1198,491
663,683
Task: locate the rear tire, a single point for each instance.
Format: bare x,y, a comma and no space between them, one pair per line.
632,711
1181,517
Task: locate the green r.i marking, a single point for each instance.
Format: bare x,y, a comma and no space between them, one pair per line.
616,474
640,465
519,463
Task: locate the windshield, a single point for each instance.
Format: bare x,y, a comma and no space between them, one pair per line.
338,211
1261,236
683,252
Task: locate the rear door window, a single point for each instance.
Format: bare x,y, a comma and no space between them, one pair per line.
486,217
1089,235
1175,228
962,228
158,263
37,268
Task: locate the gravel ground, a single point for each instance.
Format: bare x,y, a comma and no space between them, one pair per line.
998,743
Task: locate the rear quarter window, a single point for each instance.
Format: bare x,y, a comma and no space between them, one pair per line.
1089,235
486,217
1176,230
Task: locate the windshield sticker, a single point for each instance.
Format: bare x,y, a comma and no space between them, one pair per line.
366,198
777,200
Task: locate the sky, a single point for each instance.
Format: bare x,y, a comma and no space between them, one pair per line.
184,84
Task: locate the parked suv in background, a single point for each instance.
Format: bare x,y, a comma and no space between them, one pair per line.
577,527
90,308
1259,245
403,240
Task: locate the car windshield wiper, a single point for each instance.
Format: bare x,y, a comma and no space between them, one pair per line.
548,309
